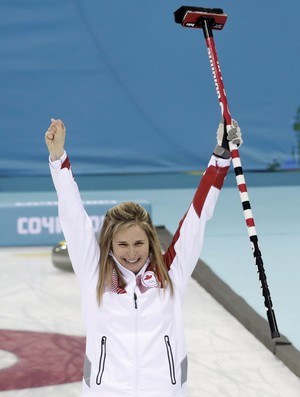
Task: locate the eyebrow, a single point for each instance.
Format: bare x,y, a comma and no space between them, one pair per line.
126,242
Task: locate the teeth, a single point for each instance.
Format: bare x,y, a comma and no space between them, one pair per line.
133,261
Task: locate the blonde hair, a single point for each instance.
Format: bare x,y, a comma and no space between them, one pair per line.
119,218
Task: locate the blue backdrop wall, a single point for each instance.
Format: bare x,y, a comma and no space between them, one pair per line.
135,89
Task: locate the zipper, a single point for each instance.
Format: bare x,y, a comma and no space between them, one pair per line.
136,344
102,360
135,300
171,360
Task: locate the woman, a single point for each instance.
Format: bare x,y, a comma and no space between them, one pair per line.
132,294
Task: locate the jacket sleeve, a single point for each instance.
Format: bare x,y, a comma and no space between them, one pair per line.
183,253
76,225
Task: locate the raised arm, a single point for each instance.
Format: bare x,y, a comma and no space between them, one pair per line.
185,249
76,225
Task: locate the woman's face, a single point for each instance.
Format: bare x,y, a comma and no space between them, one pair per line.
131,248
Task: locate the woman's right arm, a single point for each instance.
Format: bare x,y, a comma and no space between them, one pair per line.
76,225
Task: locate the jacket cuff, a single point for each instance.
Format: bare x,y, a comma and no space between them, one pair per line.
58,164
219,162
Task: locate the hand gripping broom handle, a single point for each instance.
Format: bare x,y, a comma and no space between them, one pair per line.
209,19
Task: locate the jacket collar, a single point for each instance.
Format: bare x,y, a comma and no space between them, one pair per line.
128,274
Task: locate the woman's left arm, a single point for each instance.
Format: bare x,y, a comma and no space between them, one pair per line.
184,251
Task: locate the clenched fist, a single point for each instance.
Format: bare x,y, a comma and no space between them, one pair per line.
55,139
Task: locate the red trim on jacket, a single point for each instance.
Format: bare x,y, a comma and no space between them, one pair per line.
214,176
66,164
171,253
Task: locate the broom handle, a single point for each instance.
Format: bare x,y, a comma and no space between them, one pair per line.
240,179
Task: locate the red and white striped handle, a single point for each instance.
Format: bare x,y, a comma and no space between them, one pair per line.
240,179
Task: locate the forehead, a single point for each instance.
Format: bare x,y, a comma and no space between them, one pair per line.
131,233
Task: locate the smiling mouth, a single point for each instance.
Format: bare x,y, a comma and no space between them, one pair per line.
132,261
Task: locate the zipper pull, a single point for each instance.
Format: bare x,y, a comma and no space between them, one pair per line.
135,300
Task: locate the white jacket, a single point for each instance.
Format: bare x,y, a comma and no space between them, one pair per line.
135,345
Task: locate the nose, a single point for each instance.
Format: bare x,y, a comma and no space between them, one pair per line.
131,252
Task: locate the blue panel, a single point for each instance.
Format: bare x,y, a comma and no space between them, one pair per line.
135,89
29,223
